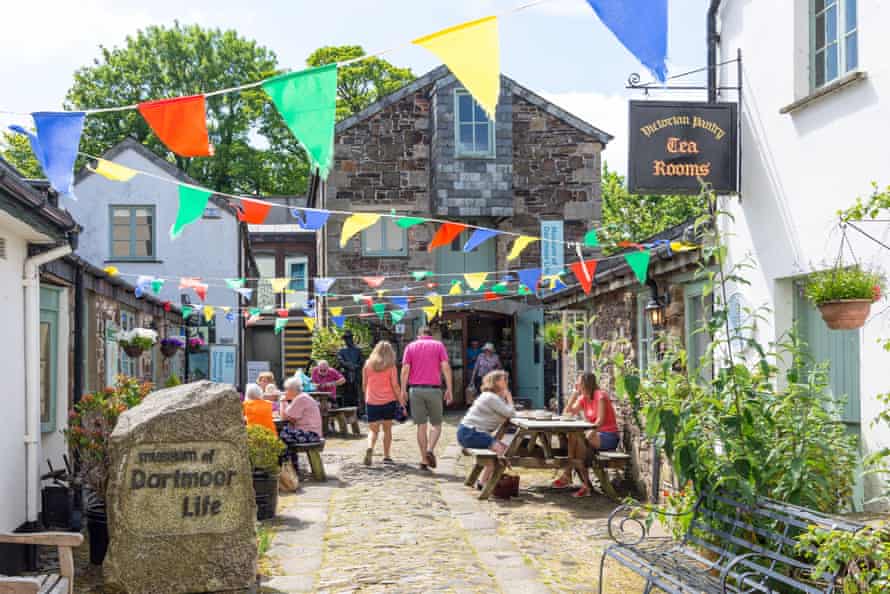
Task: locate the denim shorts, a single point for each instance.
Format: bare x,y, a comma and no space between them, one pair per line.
469,437
382,412
608,441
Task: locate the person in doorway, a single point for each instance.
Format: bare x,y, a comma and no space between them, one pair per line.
350,359
424,363
473,353
326,378
597,408
382,397
257,411
487,362
488,412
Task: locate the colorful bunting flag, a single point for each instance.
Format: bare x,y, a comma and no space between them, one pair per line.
192,202
476,279
209,312
591,239
111,270
374,281
280,323
339,321
500,288
310,220
379,309
246,293
445,235
683,246
139,292
529,278
456,288
419,275
253,212
235,283
307,100
491,296
336,311
230,317
55,146
355,224
397,316
408,222
310,323
323,285
522,242
639,263
167,306
400,302
113,171
436,300
646,38
478,237
187,311
156,286
180,123
584,272
279,284
472,53
188,282
201,291
255,311
430,312
143,281
281,312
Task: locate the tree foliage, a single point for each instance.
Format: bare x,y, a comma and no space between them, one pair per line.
361,83
16,149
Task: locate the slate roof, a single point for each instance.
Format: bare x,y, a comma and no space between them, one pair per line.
23,201
442,72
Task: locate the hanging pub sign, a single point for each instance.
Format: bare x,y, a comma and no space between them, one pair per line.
673,144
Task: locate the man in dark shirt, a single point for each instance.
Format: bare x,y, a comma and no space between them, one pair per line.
351,361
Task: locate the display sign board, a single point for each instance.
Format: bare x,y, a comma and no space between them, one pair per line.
552,249
254,368
674,144
222,364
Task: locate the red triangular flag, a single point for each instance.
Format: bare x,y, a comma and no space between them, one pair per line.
445,235
201,291
180,123
252,212
374,281
489,296
578,269
282,313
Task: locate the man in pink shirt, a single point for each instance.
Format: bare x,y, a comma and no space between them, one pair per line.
326,378
424,363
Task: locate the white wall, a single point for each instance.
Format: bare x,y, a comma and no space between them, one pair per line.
799,169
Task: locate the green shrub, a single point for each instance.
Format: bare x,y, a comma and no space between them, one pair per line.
264,447
844,283
172,381
327,341
862,558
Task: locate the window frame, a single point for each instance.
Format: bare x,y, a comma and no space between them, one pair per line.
645,334
154,233
291,260
491,153
126,365
384,222
842,35
49,314
691,292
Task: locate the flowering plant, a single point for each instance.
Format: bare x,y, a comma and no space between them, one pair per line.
91,422
138,338
173,341
196,343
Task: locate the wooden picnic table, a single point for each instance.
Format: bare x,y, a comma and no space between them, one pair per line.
532,446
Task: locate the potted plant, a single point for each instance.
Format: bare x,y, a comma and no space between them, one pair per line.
136,341
196,344
90,424
844,295
265,450
170,345
552,334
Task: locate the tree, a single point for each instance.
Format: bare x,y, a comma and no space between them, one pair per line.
363,82
159,62
633,217
16,149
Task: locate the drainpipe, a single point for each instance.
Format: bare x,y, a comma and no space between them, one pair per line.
713,41
31,283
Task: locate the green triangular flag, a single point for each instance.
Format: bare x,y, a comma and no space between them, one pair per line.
156,285
397,315
187,311
500,288
254,311
420,274
192,202
280,323
235,283
379,309
357,298
307,100
590,239
408,222
639,263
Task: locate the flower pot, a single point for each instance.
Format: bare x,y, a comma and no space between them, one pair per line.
97,528
265,486
133,351
168,350
845,314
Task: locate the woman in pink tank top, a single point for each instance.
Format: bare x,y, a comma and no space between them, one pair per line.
382,397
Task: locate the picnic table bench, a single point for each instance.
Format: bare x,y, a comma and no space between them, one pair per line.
313,452
731,546
61,583
343,417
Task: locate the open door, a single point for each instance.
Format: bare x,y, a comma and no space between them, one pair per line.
529,358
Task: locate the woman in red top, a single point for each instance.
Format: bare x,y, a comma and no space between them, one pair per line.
382,397
597,409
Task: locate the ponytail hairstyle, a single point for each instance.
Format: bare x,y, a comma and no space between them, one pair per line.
589,385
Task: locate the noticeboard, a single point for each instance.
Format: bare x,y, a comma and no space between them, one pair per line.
674,144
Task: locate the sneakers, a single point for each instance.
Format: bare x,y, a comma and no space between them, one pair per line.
389,461
369,453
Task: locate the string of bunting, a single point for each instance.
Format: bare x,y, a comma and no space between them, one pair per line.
307,99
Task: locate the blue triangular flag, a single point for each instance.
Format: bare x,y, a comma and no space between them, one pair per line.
55,146
530,277
322,285
641,26
400,302
559,285
338,320
309,311
246,293
310,220
230,317
478,237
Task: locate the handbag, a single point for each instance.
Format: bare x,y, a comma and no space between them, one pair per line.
507,487
288,480
401,413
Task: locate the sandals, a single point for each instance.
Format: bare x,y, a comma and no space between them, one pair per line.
582,492
560,484
431,459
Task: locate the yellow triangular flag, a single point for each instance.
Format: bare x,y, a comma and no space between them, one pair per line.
455,289
683,246
310,323
476,279
208,312
278,284
111,270
381,292
226,309
356,223
552,279
436,300
430,312
336,311
113,171
472,53
522,242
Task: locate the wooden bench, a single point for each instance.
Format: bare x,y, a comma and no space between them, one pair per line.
313,453
61,583
345,416
731,545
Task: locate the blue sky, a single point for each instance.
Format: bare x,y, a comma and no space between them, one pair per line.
558,49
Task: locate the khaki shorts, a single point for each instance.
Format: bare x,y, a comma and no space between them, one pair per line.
426,405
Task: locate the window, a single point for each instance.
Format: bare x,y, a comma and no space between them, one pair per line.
265,297
473,130
132,232
127,366
385,238
697,312
835,42
645,334
296,271
49,357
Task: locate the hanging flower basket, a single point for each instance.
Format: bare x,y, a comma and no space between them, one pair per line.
171,345
133,351
136,341
845,314
196,344
844,295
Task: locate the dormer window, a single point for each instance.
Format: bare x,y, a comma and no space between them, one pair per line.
474,131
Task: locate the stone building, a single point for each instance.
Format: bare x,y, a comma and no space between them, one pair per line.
429,150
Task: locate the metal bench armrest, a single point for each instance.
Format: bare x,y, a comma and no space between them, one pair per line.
635,513
754,569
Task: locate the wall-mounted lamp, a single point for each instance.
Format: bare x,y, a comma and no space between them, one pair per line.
655,309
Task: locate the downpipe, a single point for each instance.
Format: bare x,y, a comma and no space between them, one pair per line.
31,284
